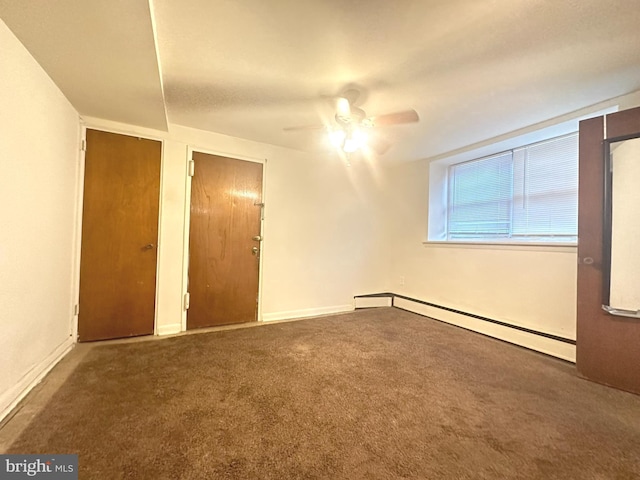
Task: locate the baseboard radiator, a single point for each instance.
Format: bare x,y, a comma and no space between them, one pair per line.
554,345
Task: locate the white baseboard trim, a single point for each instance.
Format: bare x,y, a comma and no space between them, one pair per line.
549,346
308,312
10,399
170,329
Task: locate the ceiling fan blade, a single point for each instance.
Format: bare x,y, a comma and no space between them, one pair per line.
408,116
304,127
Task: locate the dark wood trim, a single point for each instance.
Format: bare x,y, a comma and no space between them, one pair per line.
620,124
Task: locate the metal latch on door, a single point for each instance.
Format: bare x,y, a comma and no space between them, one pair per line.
255,250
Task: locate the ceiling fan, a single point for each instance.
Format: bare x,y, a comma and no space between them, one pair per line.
352,125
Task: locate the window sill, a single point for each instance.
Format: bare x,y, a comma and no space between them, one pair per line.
496,245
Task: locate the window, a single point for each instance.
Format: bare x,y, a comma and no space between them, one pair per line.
480,198
528,194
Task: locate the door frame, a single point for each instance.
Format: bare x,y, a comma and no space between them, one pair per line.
604,344
78,219
187,221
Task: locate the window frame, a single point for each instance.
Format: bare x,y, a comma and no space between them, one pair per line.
552,240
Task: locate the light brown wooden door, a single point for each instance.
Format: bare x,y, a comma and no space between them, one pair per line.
223,255
119,236
607,346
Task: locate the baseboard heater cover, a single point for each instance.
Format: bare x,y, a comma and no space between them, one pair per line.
550,344
373,300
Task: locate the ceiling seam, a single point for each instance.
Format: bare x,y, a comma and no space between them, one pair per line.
152,15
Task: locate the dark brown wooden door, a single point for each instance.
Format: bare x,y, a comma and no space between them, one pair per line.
607,346
223,256
119,236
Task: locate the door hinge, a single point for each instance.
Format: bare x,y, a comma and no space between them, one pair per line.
187,298
192,168
76,309
83,145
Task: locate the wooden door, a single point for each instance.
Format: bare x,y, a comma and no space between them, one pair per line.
607,346
224,262
119,236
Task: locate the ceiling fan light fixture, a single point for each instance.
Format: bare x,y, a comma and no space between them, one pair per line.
337,138
360,137
350,145
348,140
354,141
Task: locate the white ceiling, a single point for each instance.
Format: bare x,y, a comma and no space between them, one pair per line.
472,69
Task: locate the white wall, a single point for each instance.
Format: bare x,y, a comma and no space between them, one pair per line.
325,239
322,232
39,145
529,286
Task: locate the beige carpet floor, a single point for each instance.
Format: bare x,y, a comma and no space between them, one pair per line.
375,394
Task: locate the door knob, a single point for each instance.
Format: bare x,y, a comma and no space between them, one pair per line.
148,246
257,238
254,251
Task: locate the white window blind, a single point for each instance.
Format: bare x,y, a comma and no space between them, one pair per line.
545,187
480,198
526,194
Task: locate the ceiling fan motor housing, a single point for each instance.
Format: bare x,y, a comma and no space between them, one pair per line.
355,117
